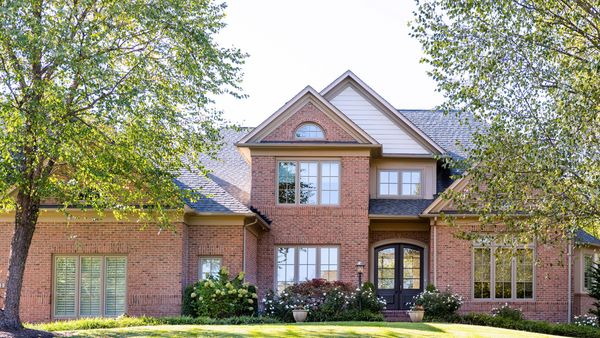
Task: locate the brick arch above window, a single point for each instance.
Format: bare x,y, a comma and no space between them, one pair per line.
309,113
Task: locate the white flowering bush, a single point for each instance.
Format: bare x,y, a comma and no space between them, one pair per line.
438,304
586,320
505,311
325,301
221,297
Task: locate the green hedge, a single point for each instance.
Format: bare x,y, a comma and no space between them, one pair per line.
570,330
107,323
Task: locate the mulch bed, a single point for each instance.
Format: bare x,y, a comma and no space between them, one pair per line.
25,333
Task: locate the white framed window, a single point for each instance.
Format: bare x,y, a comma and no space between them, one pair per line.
405,183
308,182
309,131
295,264
89,286
209,266
503,273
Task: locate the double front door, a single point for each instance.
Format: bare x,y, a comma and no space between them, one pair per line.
398,274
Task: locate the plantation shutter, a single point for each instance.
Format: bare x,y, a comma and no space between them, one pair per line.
65,275
90,286
116,286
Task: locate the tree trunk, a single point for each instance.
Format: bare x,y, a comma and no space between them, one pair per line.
25,220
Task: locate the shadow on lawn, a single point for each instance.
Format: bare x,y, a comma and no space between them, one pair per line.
329,330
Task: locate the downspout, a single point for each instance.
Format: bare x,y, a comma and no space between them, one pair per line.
435,251
244,248
570,293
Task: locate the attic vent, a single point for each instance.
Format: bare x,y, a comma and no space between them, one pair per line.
309,131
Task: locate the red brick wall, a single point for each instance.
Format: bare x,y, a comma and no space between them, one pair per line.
309,113
225,241
582,303
551,278
154,264
346,225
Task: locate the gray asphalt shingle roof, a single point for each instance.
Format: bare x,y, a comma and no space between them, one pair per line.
582,237
226,189
406,207
448,131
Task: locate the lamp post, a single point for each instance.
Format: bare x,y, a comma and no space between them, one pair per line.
360,268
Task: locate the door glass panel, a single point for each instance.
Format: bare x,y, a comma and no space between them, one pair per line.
411,269
386,268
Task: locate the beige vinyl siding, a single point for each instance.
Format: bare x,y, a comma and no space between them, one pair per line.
393,138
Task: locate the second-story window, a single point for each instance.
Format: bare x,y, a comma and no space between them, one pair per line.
405,183
308,182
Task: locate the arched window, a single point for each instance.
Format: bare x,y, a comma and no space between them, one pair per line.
309,131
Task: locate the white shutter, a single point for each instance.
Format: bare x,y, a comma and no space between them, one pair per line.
90,286
115,286
65,274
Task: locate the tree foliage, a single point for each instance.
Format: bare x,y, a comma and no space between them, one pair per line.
99,100
102,104
529,71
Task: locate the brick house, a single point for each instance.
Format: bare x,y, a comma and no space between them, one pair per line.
330,179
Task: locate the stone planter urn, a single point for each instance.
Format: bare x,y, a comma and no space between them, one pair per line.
416,314
300,315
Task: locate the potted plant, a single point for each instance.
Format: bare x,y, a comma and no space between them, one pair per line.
300,313
416,313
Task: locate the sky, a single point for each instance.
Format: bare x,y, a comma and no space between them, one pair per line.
292,44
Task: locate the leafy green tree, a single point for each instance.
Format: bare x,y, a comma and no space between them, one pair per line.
528,70
594,290
102,103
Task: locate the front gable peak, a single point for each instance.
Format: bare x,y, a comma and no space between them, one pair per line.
309,118
396,133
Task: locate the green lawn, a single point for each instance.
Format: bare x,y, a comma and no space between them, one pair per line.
348,329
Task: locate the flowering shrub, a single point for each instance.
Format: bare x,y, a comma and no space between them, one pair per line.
325,301
220,297
505,311
586,320
438,304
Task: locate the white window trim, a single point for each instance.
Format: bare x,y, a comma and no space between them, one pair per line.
513,272
595,261
310,138
297,261
297,182
400,195
78,286
201,274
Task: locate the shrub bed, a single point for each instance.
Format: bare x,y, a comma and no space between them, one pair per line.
220,297
325,301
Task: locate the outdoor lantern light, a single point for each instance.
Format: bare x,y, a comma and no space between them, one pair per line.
360,268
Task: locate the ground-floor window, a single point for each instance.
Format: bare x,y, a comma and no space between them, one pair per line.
503,273
209,266
90,286
296,264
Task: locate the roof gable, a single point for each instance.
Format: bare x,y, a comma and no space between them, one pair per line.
304,97
377,117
